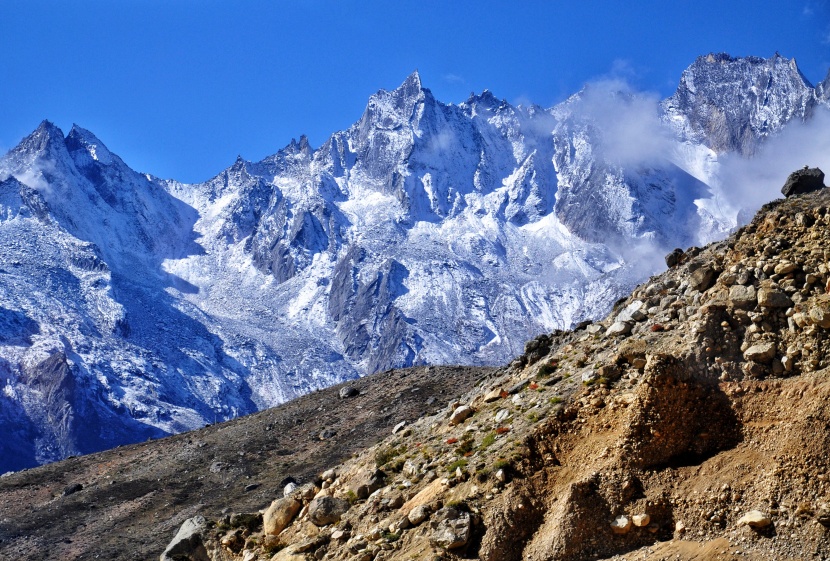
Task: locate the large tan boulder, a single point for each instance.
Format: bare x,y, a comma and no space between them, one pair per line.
279,515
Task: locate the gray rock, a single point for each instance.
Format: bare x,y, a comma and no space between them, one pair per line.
632,312
673,258
820,316
418,514
702,278
762,352
187,544
327,510
348,391
742,296
803,181
451,528
367,483
460,414
619,328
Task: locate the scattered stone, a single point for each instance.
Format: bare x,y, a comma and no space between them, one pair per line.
618,328
289,488
72,489
673,258
327,510
518,386
621,525
755,519
187,544
328,475
348,391
493,395
451,528
502,415
279,515
703,278
367,483
632,312
249,520
773,298
398,427
803,181
418,514
762,352
742,296
325,434
460,414
785,268
641,520
594,329
820,316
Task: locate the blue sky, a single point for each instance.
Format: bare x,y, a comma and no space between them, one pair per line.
179,88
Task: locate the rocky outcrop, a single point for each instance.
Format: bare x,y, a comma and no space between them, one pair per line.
803,181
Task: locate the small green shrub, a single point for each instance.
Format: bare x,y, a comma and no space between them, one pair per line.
384,455
487,441
351,496
462,463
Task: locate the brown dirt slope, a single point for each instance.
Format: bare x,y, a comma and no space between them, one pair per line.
134,498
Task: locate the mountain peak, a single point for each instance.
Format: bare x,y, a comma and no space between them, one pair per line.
81,139
410,88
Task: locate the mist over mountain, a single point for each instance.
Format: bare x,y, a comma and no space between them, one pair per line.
426,233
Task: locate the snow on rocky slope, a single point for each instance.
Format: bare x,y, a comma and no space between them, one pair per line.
426,233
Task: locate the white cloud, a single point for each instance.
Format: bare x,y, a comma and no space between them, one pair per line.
454,79
750,183
628,122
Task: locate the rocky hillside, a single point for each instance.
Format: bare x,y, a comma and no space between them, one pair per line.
691,423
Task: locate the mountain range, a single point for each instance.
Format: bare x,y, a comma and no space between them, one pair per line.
427,233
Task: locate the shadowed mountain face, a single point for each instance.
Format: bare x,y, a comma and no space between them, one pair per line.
426,233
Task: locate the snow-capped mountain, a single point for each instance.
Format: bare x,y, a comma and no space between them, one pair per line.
426,233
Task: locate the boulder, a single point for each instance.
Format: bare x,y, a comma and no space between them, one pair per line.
755,519
367,483
348,391
673,258
460,414
327,510
621,525
703,278
641,520
451,528
633,312
493,395
279,515
187,544
803,181
762,352
773,298
619,328
418,514
743,296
